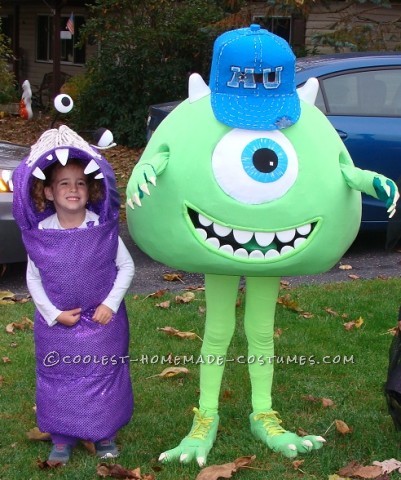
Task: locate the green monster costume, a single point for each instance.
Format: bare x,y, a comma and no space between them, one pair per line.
247,178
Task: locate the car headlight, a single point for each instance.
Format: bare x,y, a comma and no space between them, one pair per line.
6,183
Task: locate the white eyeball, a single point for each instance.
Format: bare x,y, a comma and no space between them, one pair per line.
63,103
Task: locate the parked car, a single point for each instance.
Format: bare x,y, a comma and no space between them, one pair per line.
11,247
360,93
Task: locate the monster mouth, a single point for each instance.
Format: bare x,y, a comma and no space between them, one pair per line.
249,244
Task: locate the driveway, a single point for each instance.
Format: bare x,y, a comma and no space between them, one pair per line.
367,258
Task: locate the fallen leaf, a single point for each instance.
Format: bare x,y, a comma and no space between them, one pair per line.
342,427
36,434
6,360
177,333
1,380
202,310
289,303
165,304
48,464
307,315
226,470
198,288
389,466
353,324
186,297
173,277
278,332
331,311
6,297
327,402
354,469
171,372
345,267
117,471
157,294
301,432
22,325
297,463
354,277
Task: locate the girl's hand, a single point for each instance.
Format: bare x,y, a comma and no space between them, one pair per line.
69,317
103,314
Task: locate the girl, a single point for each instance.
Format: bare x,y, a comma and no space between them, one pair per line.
78,273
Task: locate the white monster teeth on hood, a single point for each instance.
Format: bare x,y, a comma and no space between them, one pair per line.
264,238
39,174
242,236
91,167
62,154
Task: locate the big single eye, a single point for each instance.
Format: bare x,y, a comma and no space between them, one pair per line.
63,103
255,166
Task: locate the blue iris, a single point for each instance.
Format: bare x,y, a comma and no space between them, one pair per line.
264,160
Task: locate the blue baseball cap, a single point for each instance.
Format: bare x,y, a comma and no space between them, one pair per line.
252,80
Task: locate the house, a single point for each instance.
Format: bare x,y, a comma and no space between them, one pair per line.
30,24
39,48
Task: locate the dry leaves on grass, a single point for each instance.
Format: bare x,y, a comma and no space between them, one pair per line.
226,470
356,470
173,332
354,324
287,302
345,267
165,304
326,402
10,298
24,324
118,471
173,277
171,372
342,427
48,464
186,297
36,435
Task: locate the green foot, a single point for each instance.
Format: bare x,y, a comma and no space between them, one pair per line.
266,427
198,443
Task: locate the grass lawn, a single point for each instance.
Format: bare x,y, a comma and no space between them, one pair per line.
318,358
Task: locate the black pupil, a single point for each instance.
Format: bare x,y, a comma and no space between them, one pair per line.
65,101
265,160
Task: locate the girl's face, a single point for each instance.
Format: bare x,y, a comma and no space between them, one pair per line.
68,190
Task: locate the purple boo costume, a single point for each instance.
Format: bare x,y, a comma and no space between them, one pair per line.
83,386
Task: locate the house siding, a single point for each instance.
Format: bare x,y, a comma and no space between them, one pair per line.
29,67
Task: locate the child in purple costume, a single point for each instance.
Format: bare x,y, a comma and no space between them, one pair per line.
67,206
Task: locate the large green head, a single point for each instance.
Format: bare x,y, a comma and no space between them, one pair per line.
265,201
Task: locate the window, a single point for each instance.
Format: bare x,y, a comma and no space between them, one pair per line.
281,26
69,52
364,93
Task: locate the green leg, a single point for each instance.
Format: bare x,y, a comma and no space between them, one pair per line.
221,294
261,298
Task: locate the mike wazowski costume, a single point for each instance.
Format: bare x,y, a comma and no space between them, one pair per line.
247,178
82,391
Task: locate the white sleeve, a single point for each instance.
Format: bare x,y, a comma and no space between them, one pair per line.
125,274
34,282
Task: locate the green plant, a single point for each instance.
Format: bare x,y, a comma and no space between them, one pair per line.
8,91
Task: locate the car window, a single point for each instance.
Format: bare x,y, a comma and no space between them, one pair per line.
363,93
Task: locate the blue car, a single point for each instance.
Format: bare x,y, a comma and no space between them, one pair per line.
360,93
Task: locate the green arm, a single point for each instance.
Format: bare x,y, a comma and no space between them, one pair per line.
373,184
145,172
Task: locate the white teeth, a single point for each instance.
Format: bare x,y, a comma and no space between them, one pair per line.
213,241
62,155
241,252
39,174
221,230
204,221
256,254
99,176
49,157
91,167
305,229
227,249
202,233
298,241
272,253
242,236
286,236
264,238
